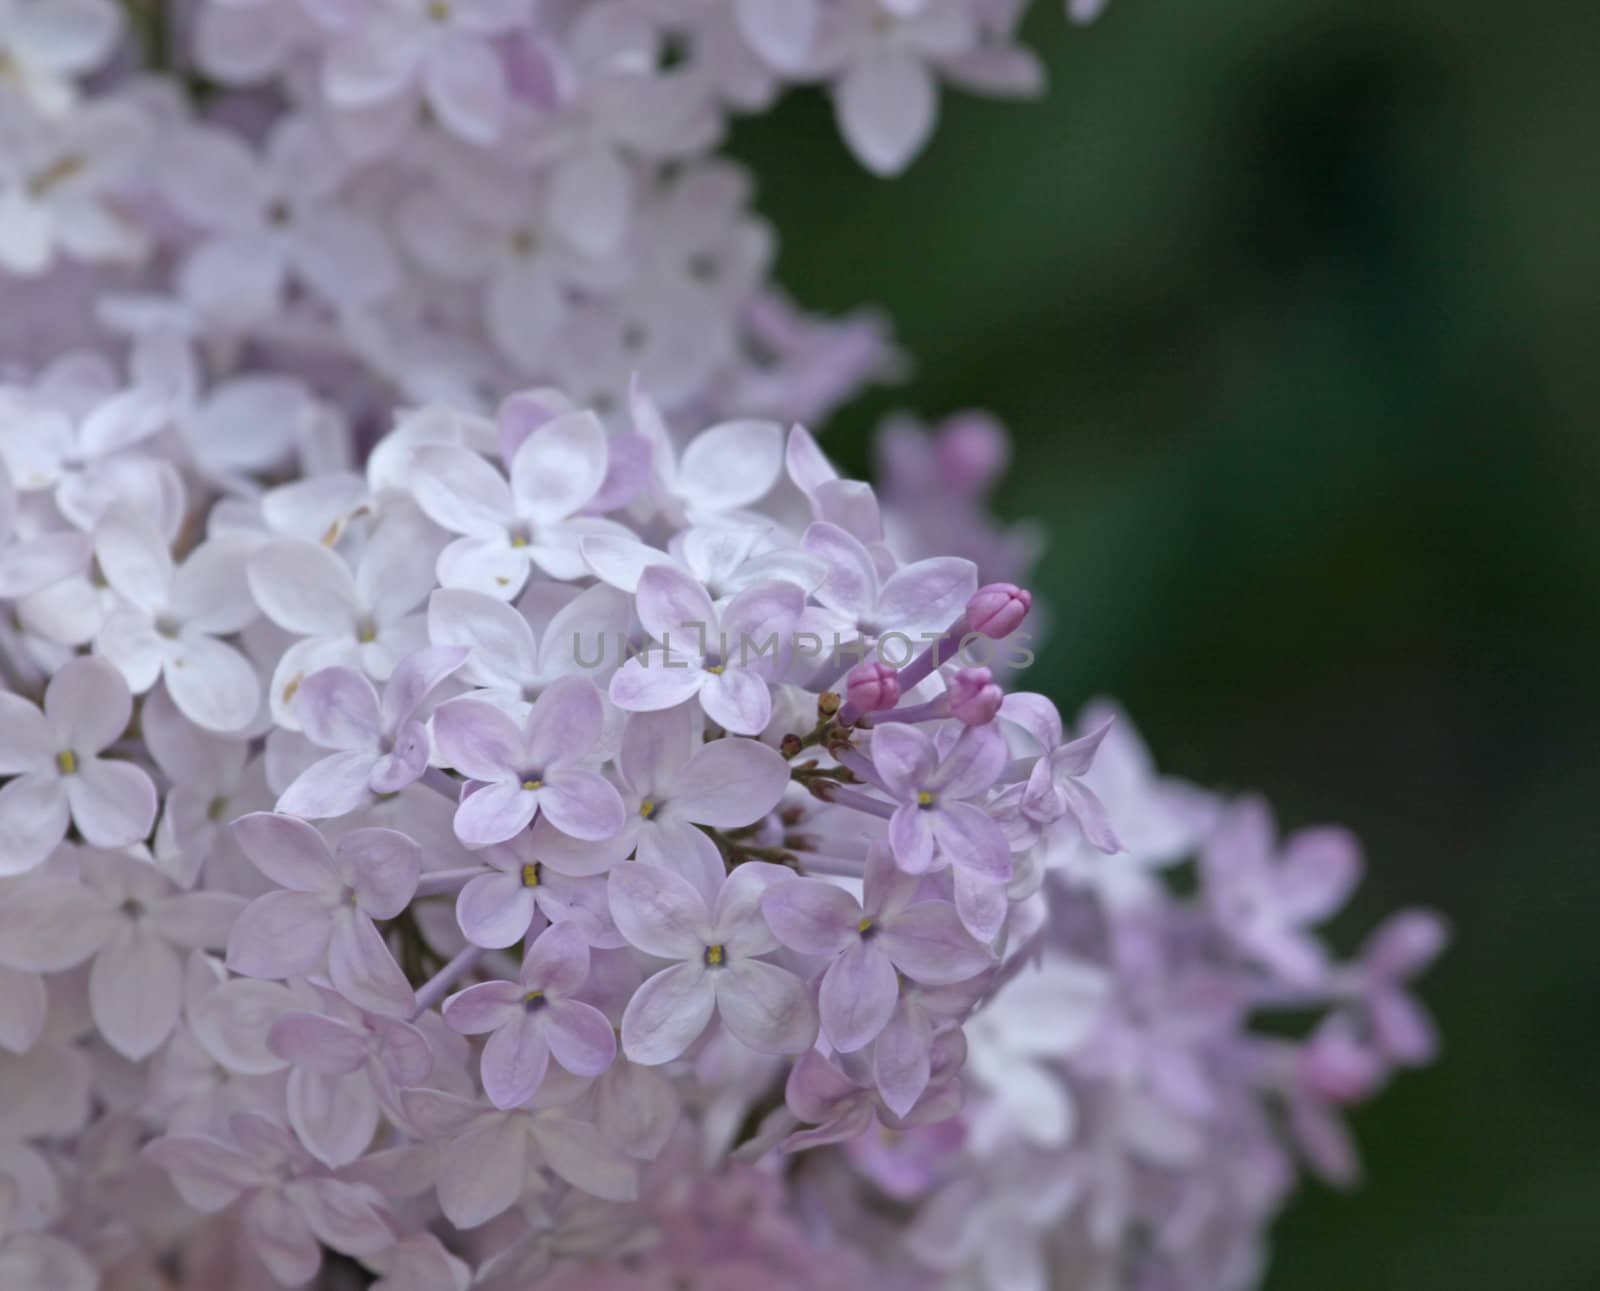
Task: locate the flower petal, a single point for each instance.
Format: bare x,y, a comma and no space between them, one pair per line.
135,992
87,705
812,916
363,970
281,934
113,803
730,783
288,851
515,1059
667,1014
858,994
766,1007
580,1037
659,911
495,910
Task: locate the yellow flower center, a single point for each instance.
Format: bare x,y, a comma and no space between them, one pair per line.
533,784
865,926
530,875
716,669
924,799
714,956
67,760
647,808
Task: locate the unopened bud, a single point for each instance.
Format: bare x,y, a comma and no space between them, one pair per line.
872,687
998,609
974,697
828,703
790,745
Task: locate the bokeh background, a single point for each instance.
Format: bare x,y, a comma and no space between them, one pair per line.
1292,307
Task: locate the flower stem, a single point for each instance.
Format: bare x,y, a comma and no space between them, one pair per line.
435,988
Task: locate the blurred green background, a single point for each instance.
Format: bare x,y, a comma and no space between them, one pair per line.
1291,306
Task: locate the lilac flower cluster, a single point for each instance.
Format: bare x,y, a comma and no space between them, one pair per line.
356,913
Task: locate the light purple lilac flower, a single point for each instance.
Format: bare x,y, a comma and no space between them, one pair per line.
727,658
60,777
537,767
718,944
381,746
322,921
535,1019
869,943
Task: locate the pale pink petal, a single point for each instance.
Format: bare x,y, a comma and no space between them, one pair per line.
482,1171
345,1216
564,724
485,1007
674,608
576,1151
363,970
501,642
495,910
667,1014
461,492
812,916
338,709
927,942
478,739
580,1037
659,911
515,1059
383,865
911,837
582,804
731,465
558,961
87,705
737,700
26,741
886,106
304,588
281,934
135,992
559,466
49,924
642,686
23,1009
766,1008
495,813
905,757
33,820
730,783
466,85
333,786
851,585
971,840
113,803
212,684
317,1043
927,596
334,1116
858,995
288,851
901,1063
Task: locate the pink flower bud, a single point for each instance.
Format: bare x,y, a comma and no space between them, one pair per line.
872,687
974,697
998,609
972,451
